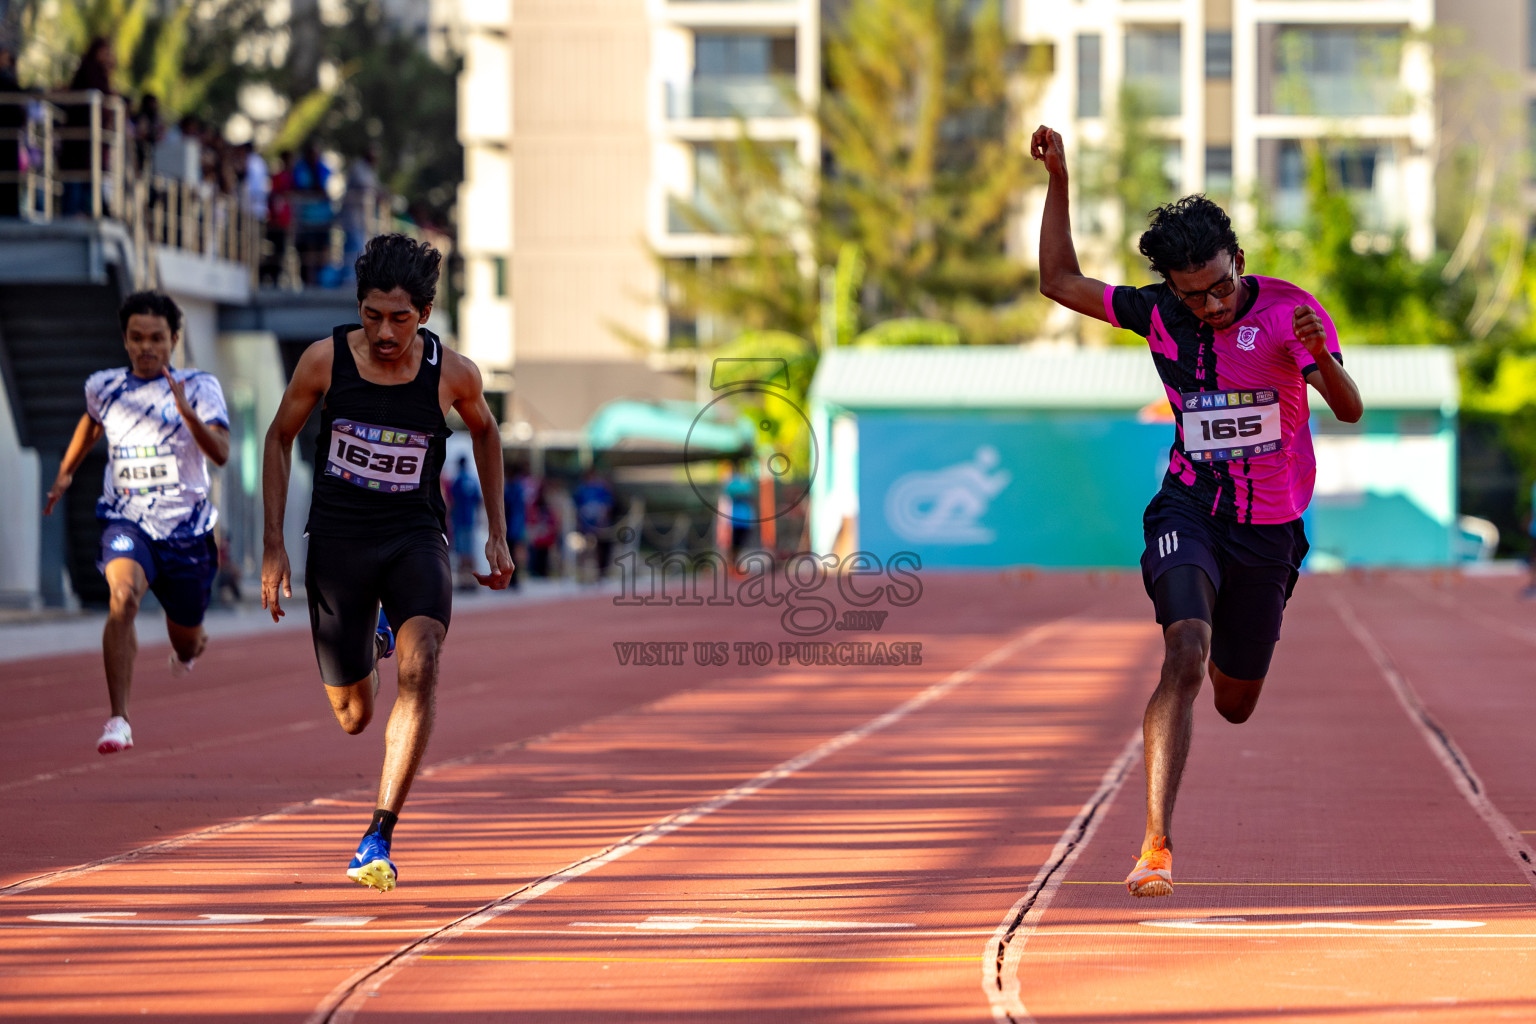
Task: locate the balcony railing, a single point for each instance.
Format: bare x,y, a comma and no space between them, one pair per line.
70,152
1323,94
69,155
732,96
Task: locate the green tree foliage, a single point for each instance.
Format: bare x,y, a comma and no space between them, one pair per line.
393,97
926,163
186,54
1374,289
385,91
923,168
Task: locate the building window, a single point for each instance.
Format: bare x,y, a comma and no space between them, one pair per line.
1333,71
740,75
1218,170
1218,54
499,276
1152,69
1365,169
1089,75
731,54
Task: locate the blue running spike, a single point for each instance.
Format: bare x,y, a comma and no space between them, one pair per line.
388,635
371,865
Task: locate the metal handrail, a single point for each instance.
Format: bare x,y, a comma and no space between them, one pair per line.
157,210
35,136
107,145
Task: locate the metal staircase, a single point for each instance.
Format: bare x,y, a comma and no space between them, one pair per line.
52,337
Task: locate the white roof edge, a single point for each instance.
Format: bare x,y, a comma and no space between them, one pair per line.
1118,377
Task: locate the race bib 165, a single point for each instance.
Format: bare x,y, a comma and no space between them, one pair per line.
1223,425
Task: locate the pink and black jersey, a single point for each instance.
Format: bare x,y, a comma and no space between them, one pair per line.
1256,358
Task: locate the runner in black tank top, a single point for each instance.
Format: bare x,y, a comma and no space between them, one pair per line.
380,451
376,520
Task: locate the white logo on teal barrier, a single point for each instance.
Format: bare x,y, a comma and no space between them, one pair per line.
945,506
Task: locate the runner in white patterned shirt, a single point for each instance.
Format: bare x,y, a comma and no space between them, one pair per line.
161,426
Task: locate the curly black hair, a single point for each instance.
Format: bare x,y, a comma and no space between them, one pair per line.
150,304
399,261
1185,234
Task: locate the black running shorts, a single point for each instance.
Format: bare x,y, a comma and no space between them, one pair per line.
348,578
1253,568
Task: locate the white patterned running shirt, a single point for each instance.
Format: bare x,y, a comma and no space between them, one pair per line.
157,477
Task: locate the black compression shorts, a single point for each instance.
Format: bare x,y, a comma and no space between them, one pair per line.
348,578
1235,576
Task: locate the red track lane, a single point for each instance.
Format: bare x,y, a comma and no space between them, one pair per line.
852,840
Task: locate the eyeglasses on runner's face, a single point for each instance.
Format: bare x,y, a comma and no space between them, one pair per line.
1219,290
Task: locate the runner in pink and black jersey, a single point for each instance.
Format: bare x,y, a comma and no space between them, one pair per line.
1224,540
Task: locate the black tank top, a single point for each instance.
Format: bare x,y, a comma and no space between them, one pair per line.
381,447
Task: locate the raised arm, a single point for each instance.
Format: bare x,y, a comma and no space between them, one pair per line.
311,379
1061,279
462,378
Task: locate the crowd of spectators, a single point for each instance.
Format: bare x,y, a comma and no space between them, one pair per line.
313,218
555,528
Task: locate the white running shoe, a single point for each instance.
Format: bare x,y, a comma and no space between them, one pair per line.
116,736
180,668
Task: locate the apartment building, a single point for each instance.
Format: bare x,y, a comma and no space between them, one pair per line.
1488,98
585,123
1235,88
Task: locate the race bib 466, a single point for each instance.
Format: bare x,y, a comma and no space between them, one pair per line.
376,458
1223,425
145,469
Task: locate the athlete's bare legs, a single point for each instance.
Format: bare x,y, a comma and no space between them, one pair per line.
410,722
187,641
420,642
1169,721
1235,698
119,640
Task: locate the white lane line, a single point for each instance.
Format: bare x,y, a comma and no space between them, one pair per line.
1000,966
1242,924
1445,749
687,922
351,995
1041,935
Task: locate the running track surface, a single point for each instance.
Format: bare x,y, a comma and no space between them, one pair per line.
923,844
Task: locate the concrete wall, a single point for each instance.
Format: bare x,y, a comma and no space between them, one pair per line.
21,503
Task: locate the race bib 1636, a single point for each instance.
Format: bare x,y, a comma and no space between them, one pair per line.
376,458
1223,425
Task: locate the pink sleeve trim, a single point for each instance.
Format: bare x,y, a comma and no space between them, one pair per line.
1109,304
